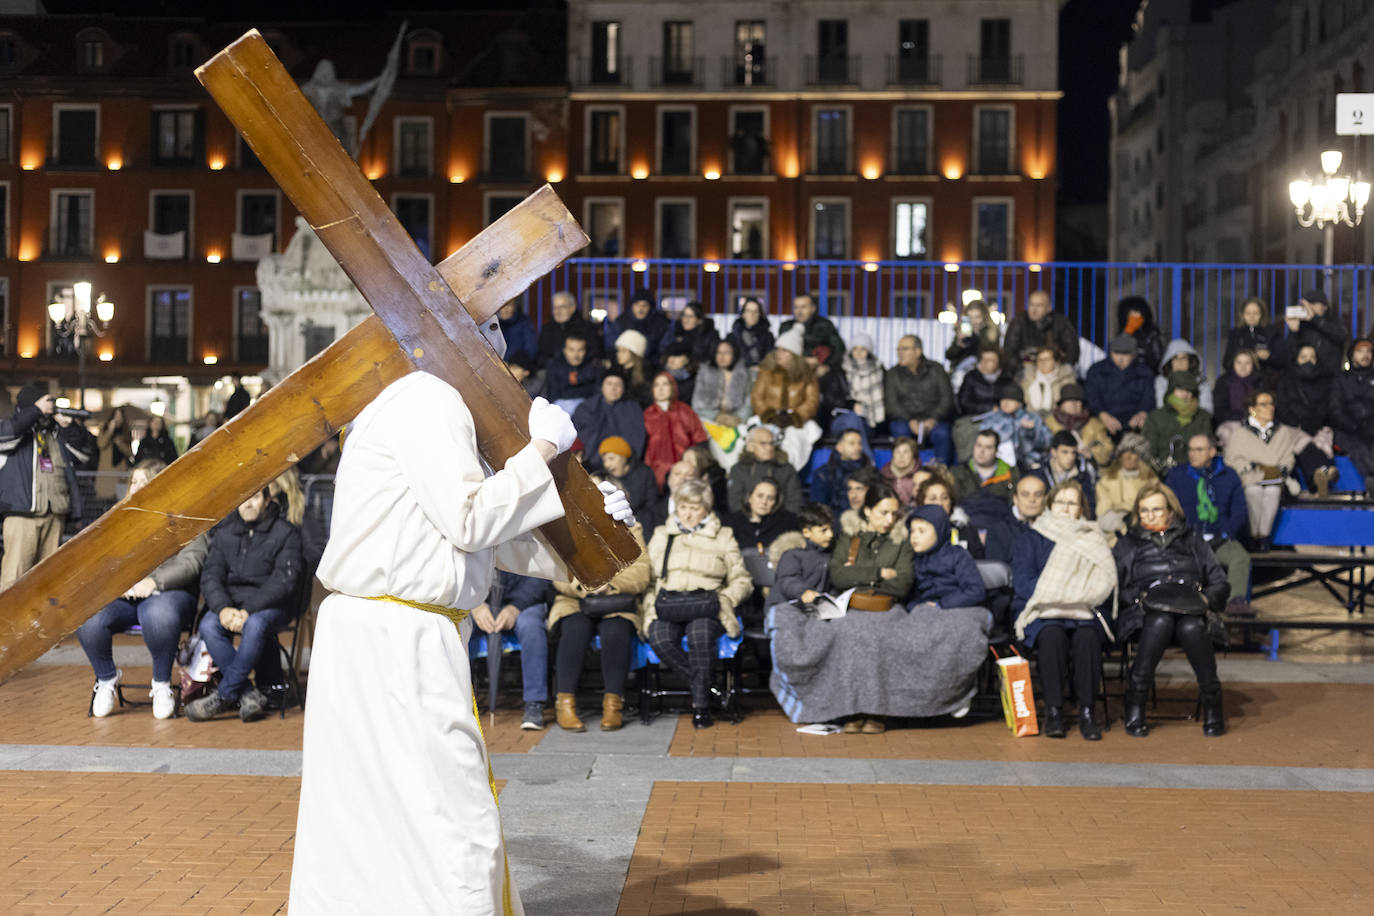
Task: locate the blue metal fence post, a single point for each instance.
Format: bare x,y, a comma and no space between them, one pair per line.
1177,323
823,296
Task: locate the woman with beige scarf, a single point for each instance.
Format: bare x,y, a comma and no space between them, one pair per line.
1061,572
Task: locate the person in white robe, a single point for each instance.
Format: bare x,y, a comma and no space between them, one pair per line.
398,809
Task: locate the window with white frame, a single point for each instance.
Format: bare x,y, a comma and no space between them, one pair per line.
71,223
911,228
507,139
992,228
911,141
257,214
169,324
677,63
675,235
829,227
177,136
676,140
169,212
748,228
415,213
604,220
250,331
76,133
6,120
831,141
605,140
414,147
992,140
496,205
748,140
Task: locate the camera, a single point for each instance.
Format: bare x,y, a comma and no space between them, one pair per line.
76,413
1295,311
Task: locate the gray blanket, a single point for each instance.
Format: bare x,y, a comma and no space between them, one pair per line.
894,663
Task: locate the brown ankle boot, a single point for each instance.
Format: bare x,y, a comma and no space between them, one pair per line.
611,705
565,706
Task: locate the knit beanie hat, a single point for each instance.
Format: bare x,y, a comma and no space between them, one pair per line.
615,445
1010,391
30,393
633,341
862,339
1072,392
792,340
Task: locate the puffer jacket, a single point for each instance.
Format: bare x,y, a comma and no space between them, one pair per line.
1244,337
978,395
876,552
182,569
707,557
773,394
1304,402
1178,553
1120,392
1025,336
1204,388
631,580
1354,402
747,473
919,395
800,568
253,566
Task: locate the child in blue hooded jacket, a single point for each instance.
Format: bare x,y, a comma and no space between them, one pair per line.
946,574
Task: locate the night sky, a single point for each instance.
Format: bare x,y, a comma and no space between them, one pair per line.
1090,34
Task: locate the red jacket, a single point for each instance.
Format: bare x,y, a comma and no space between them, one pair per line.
669,433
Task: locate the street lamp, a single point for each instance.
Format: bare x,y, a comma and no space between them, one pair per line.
1329,200
75,321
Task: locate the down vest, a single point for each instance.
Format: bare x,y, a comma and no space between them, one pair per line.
707,557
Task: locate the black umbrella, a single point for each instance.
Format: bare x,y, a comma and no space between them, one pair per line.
493,675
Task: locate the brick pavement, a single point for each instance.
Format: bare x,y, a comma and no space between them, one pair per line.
1314,725
765,848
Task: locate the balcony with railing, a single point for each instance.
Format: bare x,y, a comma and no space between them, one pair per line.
598,71
667,72
741,73
904,70
1008,70
833,70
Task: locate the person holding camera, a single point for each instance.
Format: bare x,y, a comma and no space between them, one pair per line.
1313,323
38,487
699,578
1172,590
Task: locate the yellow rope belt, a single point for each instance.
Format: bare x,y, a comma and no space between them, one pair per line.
458,616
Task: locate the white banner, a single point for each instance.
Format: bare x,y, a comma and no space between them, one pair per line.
160,247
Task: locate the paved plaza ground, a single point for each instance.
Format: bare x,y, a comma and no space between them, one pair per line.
132,815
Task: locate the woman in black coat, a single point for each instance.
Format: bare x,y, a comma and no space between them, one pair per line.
695,330
1252,332
1304,393
156,442
752,334
1161,548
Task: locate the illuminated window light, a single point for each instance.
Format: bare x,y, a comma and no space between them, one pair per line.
1037,174
788,265
375,174
26,254
1034,268
872,172
106,356
639,173
639,267
26,354
217,164
951,267
114,164
111,259
455,178
710,267
712,174
554,176
210,360
953,172
870,266
212,257
29,166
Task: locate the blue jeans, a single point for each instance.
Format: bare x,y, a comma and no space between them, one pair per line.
938,439
532,633
257,649
162,616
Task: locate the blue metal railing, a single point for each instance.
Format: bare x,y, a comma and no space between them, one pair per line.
1199,302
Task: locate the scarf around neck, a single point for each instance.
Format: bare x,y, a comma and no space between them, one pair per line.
1184,410
1207,510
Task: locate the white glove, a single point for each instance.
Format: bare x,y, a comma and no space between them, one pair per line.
617,506
551,424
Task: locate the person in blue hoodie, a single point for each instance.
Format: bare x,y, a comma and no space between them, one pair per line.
1121,388
518,330
1213,501
946,574
828,482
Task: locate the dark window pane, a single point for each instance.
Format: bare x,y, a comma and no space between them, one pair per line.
415,149
676,139
994,230
749,142
258,215
605,52
832,49
76,138
677,52
994,49
317,338
507,148
832,141
913,50
171,330
605,143
994,141
499,205
750,56
172,213
413,215
913,143
604,220
72,226
253,336
675,231
831,224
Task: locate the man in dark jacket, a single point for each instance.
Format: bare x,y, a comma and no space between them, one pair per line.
1027,503
518,330
985,476
609,414
38,486
1213,501
918,399
761,460
251,583
1063,464
647,318
1353,416
979,392
1038,327
816,331
1120,388
572,376
523,607
239,398
828,483
1321,330
565,321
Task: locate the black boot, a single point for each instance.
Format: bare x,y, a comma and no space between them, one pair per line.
701,717
1213,721
1135,713
1054,722
1087,725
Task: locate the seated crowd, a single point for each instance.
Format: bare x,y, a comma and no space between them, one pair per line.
997,496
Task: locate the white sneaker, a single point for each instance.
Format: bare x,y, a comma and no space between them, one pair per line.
164,701
106,697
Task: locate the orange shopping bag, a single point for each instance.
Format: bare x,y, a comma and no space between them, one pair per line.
1018,700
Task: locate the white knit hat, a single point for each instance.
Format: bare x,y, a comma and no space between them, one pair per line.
633,341
791,340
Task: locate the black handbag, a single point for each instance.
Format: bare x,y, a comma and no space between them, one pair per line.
605,605
1174,597
683,607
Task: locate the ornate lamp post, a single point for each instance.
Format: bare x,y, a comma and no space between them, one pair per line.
1329,200
74,320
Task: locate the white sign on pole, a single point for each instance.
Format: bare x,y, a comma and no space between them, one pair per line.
1354,113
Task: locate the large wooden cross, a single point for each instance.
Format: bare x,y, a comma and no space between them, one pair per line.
425,319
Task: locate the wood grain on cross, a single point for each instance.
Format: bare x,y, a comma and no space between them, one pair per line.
419,323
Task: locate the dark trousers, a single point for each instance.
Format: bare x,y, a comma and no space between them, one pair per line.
694,664
1312,459
162,616
1190,632
1059,650
575,634
257,649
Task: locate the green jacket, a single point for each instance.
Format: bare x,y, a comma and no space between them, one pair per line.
1168,437
876,552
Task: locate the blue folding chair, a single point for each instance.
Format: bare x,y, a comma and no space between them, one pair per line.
651,690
